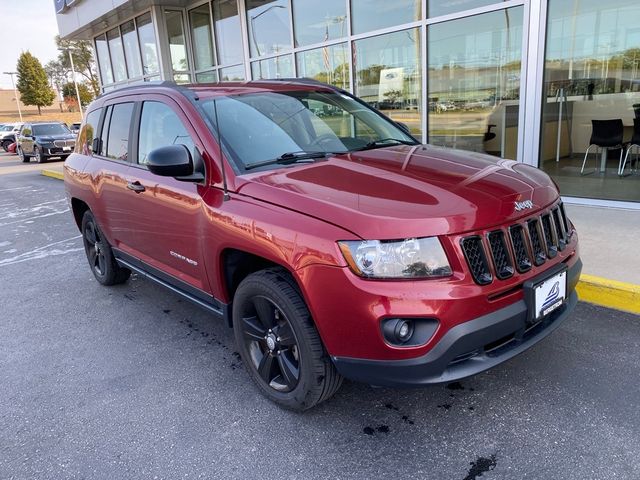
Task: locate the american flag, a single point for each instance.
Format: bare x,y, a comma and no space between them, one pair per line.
325,51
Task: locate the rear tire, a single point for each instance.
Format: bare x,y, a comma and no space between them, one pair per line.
279,344
99,254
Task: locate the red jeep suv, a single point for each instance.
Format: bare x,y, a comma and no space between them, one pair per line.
334,243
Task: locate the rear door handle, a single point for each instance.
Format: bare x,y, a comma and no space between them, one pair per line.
136,186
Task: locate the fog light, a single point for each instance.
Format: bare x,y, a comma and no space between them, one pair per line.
403,330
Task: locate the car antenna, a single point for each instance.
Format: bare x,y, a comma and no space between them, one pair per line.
225,195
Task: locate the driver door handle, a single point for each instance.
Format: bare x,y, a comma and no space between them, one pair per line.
136,186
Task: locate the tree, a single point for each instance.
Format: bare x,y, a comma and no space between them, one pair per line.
69,92
33,84
57,74
83,62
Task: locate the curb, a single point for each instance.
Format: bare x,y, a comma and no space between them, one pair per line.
591,289
52,174
609,293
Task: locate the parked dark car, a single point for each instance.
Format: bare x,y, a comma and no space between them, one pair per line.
335,245
45,140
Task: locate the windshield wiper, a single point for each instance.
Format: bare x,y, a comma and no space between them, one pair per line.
383,142
287,159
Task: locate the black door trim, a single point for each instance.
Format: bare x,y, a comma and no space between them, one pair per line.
191,293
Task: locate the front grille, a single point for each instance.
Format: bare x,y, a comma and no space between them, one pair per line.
64,143
523,262
539,255
500,254
532,242
476,259
549,236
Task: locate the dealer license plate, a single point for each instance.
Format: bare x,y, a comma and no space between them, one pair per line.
66,149
550,294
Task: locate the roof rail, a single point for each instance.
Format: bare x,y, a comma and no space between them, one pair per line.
154,83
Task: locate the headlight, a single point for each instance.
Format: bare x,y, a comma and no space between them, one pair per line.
410,258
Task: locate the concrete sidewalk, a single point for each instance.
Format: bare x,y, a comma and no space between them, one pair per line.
609,250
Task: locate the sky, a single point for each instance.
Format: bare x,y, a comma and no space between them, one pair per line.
26,25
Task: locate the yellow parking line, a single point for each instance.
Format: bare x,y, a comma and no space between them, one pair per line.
609,293
52,174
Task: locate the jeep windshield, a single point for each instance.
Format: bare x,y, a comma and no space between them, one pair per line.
50,129
268,129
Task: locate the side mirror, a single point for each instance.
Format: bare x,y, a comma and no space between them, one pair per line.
173,161
404,127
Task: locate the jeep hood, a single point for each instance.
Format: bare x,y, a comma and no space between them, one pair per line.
405,191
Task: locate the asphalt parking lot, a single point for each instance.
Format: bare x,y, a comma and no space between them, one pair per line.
133,382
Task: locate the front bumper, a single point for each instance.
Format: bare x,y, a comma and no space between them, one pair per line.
466,349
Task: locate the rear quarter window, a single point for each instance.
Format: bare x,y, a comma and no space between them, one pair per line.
88,133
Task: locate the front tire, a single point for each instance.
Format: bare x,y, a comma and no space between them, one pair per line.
21,154
40,158
279,343
99,254
5,145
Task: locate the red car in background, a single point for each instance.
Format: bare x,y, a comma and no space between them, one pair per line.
334,243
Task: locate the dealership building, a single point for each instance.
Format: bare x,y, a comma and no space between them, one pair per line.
520,79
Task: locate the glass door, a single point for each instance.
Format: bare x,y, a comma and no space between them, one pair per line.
473,78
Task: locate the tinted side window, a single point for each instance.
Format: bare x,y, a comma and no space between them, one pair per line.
88,132
118,137
160,126
105,132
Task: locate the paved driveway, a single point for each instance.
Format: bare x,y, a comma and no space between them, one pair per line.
133,382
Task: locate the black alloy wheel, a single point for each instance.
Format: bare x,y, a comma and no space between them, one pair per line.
99,254
94,246
278,341
271,344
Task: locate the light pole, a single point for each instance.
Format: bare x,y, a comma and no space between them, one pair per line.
252,19
15,92
73,73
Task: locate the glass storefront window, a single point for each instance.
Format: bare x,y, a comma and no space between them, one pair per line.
102,52
131,50
592,72
278,67
117,55
201,37
328,64
436,8
317,22
232,74
474,82
228,34
182,78
147,38
388,75
269,26
177,44
207,77
368,15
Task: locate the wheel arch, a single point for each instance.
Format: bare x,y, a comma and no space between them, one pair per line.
78,207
